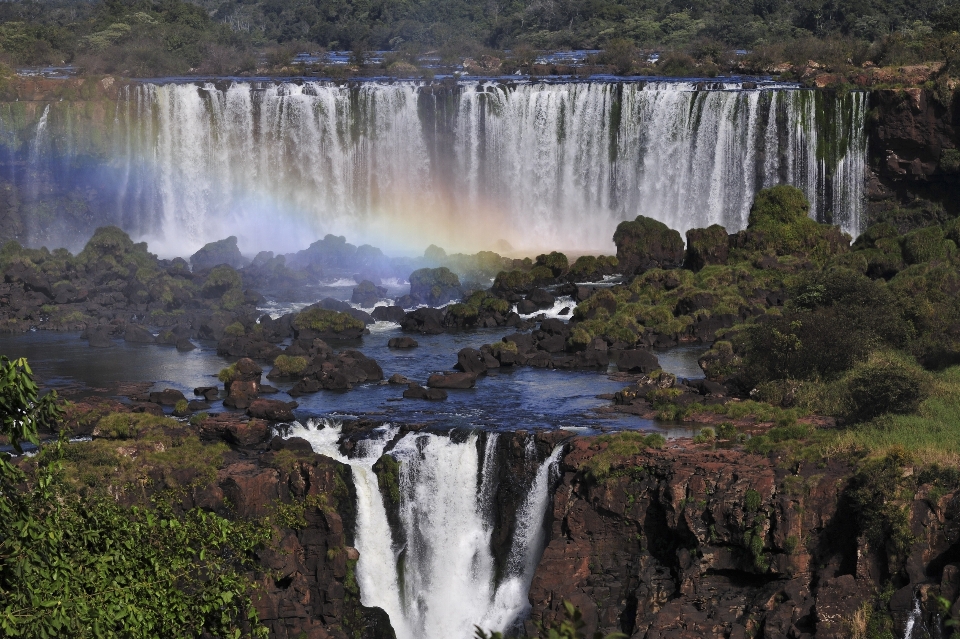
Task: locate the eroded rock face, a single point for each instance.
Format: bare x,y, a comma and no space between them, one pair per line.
685,542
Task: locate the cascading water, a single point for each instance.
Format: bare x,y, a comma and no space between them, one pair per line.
540,164
436,575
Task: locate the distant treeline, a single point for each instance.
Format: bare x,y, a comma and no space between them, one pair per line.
150,37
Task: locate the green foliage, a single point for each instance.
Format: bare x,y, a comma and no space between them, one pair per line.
223,282
513,281
74,567
873,496
22,410
926,244
290,365
387,470
556,262
885,384
236,329
752,500
228,374
615,449
324,321
780,205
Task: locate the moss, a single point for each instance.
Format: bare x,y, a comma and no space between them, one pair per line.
325,321
510,347
387,470
513,281
541,275
290,365
752,500
616,451
555,261
228,374
236,329
950,161
463,313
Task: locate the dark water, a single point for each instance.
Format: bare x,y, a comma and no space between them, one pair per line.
503,399
522,398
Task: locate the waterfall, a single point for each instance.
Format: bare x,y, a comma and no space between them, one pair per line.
403,164
436,576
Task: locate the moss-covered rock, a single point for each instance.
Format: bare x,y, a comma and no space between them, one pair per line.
556,262
588,268
435,286
646,243
512,282
706,246
315,322
779,224
923,245
223,251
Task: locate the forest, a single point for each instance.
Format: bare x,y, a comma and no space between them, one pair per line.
164,37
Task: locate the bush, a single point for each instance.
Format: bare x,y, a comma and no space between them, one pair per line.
556,262
926,244
885,384
290,365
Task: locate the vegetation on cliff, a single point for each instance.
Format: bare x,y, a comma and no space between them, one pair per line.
214,37
76,561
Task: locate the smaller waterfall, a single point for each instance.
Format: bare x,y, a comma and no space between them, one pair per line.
436,576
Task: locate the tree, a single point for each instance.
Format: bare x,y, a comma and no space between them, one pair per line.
22,410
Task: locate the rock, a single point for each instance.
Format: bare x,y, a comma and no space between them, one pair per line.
394,314
138,334
209,393
215,253
195,405
399,379
637,361
402,342
470,360
100,338
706,246
366,294
428,321
435,286
147,407
272,410
646,243
416,391
184,344
31,279
527,307
541,298
167,397
453,380
248,370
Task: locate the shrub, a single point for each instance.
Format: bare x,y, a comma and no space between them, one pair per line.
885,384
228,374
236,329
290,365
926,244
556,262
513,281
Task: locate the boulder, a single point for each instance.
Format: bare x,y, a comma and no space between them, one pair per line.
272,410
637,361
416,391
706,247
646,243
167,397
541,298
435,286
220,252
398,379
138,334
209,393
527,307
366,294
100,338
470,360
453,380
393,314
428,321
402,342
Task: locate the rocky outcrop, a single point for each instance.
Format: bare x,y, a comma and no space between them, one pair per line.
914,150
646,243
685,542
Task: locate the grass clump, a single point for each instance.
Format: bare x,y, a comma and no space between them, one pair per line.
615,448
322,320
290,365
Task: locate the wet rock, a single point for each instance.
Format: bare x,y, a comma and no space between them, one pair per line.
196,405
138,334
637,361
646,243
541,298
210,393
272,410
394,314
100,338
428,321
527,307
453,380
399,379
470,360
402,342
224,251
167,397
416,391
366,294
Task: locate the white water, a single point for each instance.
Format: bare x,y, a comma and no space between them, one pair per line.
545,165
446,586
